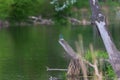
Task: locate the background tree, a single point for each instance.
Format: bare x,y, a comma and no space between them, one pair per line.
20,10
4,8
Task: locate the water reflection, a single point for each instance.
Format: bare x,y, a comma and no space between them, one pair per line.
26,51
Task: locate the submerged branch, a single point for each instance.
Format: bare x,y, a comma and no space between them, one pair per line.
56,69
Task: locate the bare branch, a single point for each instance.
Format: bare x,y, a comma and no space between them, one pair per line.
56,69
68,48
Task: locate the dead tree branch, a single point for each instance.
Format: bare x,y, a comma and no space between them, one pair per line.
55,69
76,62
100,21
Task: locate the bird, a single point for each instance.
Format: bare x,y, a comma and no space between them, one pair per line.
61,37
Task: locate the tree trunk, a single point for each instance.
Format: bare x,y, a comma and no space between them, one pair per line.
100,22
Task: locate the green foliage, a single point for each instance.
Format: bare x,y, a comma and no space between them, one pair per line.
4,8
20,10
62,9
45,11
60,5
110,3
103,65
60,20
82,4
110,72
98,54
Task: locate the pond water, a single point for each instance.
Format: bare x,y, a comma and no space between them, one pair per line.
26,51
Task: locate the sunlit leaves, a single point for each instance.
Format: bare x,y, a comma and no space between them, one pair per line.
61,5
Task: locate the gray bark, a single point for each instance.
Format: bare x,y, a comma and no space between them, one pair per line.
56,69
68,49
99,20
76,62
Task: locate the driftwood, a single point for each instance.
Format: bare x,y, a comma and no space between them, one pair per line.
75,21
75,64
56,69
40,20
100,21
78,62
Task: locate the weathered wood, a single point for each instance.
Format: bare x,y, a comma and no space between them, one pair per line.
76,62
99,19
73,68
56,69
68,48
